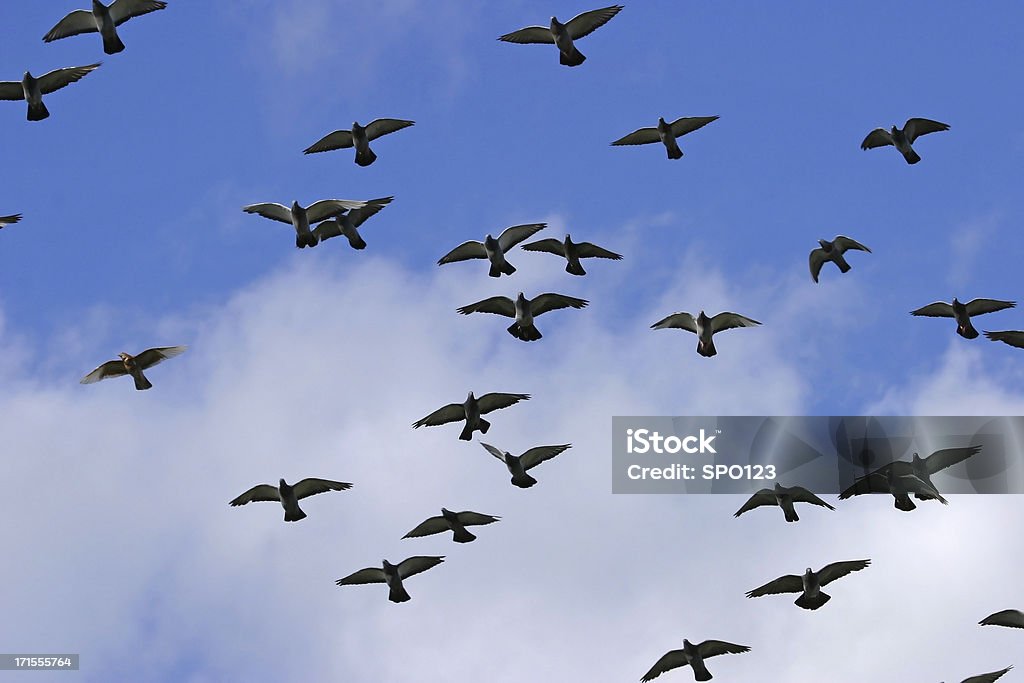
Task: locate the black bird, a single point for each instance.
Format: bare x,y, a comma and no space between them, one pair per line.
518,464
348,222
470,411
784,497
103,20
134,365
666,133
1011,337
32,89
833,251
359,137
809,585
902,139
962,312
694,655
563,35
492,249
289,496
523,310
704,327
456,522
572,252
900,485
392,575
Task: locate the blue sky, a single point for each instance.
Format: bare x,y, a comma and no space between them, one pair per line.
314,362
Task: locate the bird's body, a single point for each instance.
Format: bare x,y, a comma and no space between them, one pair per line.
347,223
704,327
32,89
897,481
810,583
962,312
134,365
572,252
300,217
523,310
456,522
518,465
392,575
492,249
470,411
359,137
290,495
903,138
833,251
784,497
564,35
694,656
666,133
104,20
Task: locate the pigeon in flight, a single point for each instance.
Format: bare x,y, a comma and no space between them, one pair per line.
456,522
1011,337
518,465
392,575
289,496
833,251
563,35
32,89
524,311
902,139
572,252
963,312
470,411
347,223
666,133
986,678
809,585
694,655
924,468
900,485
1013,618
359,137
134,365
704,327
493,249
784,497
103,19
300,218
9,220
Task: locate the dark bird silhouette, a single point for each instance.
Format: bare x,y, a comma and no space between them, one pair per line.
694,655
300,218
1013,618
393,575
289,496
809,585
32,89
134,365
704,327
962,312
1011,337
563,35
359,137
899,484
103,20
523,310
493,250
348,222
924,468
902,139
456,522
666,133
833,251
518,464
784,497
470,411
571,252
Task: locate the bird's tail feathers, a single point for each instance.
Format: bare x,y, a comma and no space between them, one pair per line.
463,536
813,603
911,156
527,333
112,44
574,58
365,158
524,481
37,112
707,350
142,383
357,242
904,503
294,515
575,268
399,594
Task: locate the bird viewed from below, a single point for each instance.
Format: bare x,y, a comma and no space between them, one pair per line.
134,365
32,89
493,250
903,138
833,251
524,311
518,465
809,585
359,137
348,222
900,485
290,495
1011,337
784,497
694,655
924,468
987,678
470,411
9,220
704,327
563,35
392,575
300,218
571,252
962,313
104,20
666,133
456,522
1012,618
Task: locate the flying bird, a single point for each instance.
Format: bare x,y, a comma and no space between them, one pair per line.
694,655
963,312
1011,337
103,19
833,251
470,411
563,35
900,485
493,249
784,497
572,252
1013,618
518,464
524,311
986,678
456,522
809,585
704,327
903,139
347,223
924,468
289,496
9,220
32,89
392,575
666,133
134,365
359,137
300,218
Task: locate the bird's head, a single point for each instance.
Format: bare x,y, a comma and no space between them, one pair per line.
568,239
808,572
296,206
956,302
97,5
520,298
447,514
778,486
825,244
490,242
28,76
387,565
894,130
687,645
555,23
662,123
470,397
282,483
918,458
702,319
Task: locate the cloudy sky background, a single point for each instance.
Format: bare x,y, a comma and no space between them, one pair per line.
121,545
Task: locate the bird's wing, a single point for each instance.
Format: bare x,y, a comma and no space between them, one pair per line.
259,493
552,302
790,583
586,23
58,78
11,91
464,252
728,321
980,306
673,659
947,457
762,497
713,648
123,10
589,250
470,518
379,127
873,483
493,451
496,401
327,230
921,488
431,526
112,368
414,565
1008,617
879,137
360,215
816,260
641,136
550,245
339,139
9,220
530,34
842,242
802,495
688,124
1011,337
939,309
368,575
275,212
328,208
453,412
986,678
151,357
536,456
500,305
682,320
311,486
915,128
836,570
510,237
78,22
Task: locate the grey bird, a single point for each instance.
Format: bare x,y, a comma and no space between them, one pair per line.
694,655
9,220
986,678
704,327
524,311
898,484
809,585
903,139
359,137
572,252
666,133
104,20
924,468
289,496
1011,337
962,312
134,365
300,218
32,89
518,464
347,223
470,411
1013,618
833,251
456,522
784,497
563,35
392,575
493,250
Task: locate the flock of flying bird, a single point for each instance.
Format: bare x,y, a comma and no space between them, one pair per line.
329,218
